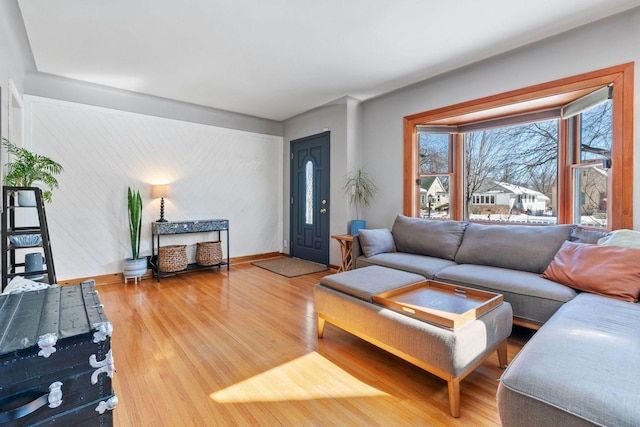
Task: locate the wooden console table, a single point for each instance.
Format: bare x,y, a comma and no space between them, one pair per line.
346,251
180,227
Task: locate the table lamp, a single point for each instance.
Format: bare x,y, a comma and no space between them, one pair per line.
161,191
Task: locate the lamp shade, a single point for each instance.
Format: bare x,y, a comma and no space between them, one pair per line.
158,191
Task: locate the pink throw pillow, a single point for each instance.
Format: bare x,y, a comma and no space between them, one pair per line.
611,271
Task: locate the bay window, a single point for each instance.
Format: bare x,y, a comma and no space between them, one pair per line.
560,152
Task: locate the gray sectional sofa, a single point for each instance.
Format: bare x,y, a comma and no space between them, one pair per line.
582,367
507,259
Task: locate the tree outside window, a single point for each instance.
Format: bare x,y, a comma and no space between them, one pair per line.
518,165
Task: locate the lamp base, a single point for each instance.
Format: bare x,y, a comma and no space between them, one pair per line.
162,211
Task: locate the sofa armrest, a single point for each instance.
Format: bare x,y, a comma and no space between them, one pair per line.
356,250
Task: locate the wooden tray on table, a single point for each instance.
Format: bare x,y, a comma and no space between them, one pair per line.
440,303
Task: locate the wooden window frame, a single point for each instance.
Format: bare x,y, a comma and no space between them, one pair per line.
621,76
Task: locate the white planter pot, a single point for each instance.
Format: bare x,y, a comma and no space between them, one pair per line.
134,268
26,198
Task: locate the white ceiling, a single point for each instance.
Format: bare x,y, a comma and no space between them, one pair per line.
275,59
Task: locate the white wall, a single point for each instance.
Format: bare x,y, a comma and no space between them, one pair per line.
15,56
15,60
214,172
606,43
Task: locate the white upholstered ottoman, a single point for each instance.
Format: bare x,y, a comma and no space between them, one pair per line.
345,300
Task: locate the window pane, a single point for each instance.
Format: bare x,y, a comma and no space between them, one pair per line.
309,193
510,173
590,205
434,152
434,197
596,134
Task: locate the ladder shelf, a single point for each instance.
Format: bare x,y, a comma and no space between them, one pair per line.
13,265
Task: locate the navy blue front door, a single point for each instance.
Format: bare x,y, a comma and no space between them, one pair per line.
310,205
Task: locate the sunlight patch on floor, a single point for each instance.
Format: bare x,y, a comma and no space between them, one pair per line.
308,377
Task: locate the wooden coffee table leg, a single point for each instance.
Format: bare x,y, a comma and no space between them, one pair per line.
320,326
454,397
502,354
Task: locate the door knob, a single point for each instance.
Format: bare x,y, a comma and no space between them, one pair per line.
323,211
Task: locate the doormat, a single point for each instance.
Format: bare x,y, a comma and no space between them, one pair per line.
290,267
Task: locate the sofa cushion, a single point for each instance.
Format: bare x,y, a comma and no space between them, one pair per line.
420,264
517,247
581,368
434,238
533,298
586,235
364,283
376,241
611,271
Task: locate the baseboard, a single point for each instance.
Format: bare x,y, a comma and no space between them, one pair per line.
105,279
251,258
108,279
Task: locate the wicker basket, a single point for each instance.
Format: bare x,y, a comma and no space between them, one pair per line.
172,258
208,253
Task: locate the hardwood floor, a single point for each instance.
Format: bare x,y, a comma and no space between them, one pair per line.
239,348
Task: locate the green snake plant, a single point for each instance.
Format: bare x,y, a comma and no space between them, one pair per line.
135,221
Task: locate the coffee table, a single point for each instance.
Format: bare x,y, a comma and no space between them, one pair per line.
444,329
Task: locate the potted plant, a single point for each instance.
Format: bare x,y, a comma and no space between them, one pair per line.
135,266
360,188
28,168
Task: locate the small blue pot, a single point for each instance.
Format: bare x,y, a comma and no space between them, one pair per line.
357,224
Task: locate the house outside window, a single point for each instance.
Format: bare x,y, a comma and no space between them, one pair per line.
483,199
434,197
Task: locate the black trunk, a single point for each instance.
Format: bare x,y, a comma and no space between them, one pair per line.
55,358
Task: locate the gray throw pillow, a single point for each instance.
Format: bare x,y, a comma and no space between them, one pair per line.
435,238
517,247
377,241
585,235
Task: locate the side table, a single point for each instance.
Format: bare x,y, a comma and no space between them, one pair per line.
346,251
